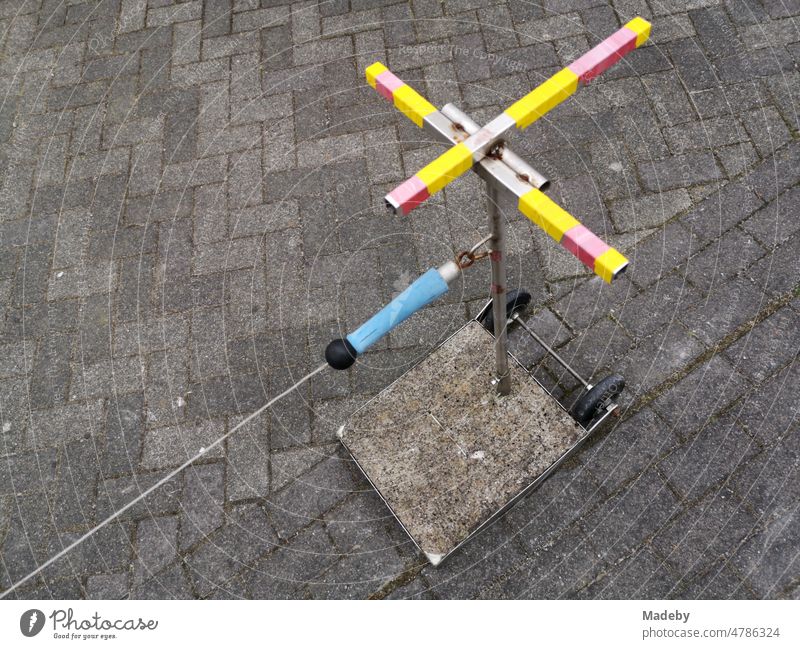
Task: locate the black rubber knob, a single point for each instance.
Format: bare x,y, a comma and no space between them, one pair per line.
340,354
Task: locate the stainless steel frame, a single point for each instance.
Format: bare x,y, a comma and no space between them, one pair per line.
504,153
436,560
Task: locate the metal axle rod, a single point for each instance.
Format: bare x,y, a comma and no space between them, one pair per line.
550,350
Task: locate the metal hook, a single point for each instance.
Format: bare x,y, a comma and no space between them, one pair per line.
466,258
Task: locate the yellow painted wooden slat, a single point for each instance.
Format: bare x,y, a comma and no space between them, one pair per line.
641,28
548,215
448,166
543,98
609,262
373,71
412,104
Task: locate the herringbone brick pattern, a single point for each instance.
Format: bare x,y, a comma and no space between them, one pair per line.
191,209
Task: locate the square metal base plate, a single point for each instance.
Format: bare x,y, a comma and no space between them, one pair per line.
447,455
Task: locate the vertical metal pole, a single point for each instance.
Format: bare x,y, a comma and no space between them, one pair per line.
502,382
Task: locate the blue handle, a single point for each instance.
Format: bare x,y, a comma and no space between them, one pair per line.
424,290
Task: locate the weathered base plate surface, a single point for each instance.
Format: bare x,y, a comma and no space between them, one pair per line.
445,453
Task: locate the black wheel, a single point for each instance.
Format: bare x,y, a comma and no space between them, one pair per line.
591,403
516,301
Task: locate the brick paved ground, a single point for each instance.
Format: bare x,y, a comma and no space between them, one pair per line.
191,209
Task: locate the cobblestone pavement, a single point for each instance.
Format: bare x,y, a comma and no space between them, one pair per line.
191,209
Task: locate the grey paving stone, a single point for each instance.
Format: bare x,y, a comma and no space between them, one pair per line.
201,503
777,174
721,581
767,561
693,68
488,557
628,449
779,273
292,463
34,471
715,31
724,258
248,473
737,158
660,253
657,305
109,586
771,409
169,584
51,371
20,556
110,549
767,347
635,515
547,326
74,505
679,171
704,391
417,589
771,225
554,507
363,524
160,16
15,415
558,571
768,484
767,130
115,493
649,211
52,589
171,446
282,573
66,423
231,549
225,395
357,576
643,574
593,300
744,65
721,210
331,414
658,356
713,319
708,132
309,497
157,546
233,589
701,535
670,100
593,353
706,460
290,419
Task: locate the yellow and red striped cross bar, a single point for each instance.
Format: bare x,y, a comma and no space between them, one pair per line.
559,224
522,113
592,251
405,98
